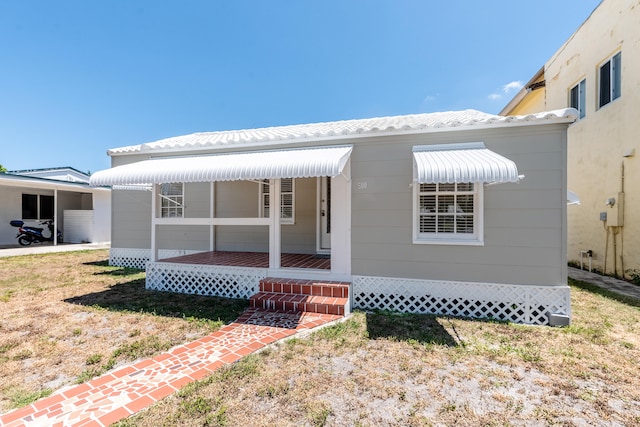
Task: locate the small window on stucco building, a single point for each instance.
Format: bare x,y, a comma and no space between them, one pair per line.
610,79
577,97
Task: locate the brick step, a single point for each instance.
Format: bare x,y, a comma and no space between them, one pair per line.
299,303
305,287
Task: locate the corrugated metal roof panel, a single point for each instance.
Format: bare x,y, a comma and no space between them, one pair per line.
344,129
298,163
450,163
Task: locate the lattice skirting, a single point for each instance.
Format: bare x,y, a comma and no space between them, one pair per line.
138,258
515,303
212,280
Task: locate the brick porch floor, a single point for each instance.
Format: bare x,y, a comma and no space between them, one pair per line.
129,389
253,259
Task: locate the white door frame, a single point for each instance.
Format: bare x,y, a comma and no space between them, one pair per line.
323,240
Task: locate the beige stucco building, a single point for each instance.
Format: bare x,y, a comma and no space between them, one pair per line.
597,71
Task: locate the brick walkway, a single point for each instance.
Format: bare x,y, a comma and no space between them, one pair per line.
129,389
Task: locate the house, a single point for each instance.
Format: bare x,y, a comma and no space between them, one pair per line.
67,174
425,213
81,212
597,71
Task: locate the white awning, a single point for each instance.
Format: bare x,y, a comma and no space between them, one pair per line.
295,163
469,162
572,198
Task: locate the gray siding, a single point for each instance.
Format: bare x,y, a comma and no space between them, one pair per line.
130,219
523,223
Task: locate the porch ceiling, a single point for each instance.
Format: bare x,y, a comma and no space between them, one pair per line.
295,163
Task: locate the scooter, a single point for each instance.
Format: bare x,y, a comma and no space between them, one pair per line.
28,235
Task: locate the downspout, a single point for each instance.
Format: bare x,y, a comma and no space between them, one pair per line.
621,228
606,249
615,260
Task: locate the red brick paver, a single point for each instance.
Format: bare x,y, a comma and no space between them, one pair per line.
127,390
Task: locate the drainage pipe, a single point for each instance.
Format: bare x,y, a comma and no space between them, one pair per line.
606,250
615,260
621,228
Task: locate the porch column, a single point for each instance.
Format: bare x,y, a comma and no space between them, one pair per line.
54,233
274,224
212,214
153,250
341,223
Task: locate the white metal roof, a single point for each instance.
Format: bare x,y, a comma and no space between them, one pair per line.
472,162
379,126
295,163
10,180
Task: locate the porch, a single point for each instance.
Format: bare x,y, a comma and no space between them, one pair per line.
253,260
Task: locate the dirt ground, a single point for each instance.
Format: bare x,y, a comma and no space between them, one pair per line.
380,369
67,317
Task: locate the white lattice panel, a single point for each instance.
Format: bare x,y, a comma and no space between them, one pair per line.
138,258
515,303
228,282
129,257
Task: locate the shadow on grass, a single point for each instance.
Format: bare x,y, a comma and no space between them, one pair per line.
594,289
113,271
101,263
133,297
421,328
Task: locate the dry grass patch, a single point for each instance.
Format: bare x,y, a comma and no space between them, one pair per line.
413,370
67,317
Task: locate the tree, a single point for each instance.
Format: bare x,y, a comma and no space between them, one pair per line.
2,169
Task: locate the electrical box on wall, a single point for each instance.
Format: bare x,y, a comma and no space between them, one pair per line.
615,210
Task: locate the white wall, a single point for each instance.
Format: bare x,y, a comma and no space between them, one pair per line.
101,216
10,209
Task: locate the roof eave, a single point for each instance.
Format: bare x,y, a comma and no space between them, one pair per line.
10,180
522,93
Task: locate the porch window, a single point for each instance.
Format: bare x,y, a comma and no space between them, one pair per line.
287,200
448,213
610,80
36,206
172,200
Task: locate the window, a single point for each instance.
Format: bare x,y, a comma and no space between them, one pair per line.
171,200
35,206
610,80
577,98
287,190
448,213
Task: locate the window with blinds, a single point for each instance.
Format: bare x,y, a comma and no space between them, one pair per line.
172,200
447,212
287,200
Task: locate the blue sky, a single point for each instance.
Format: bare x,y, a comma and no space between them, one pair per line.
80,77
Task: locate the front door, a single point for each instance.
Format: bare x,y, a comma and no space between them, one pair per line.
325,213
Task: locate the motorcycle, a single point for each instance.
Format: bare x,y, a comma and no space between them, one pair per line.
28,235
